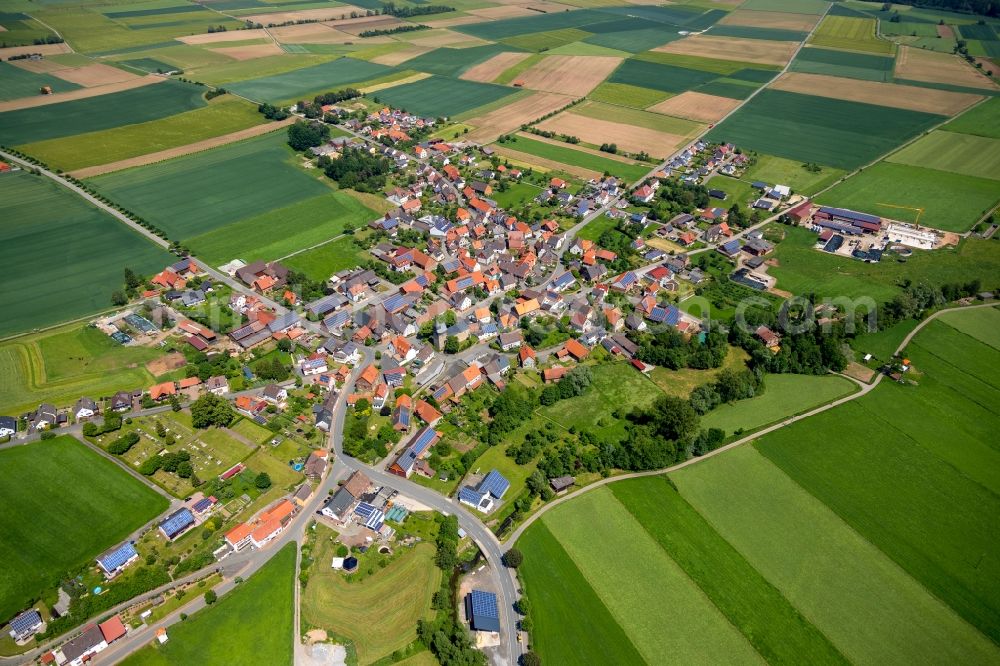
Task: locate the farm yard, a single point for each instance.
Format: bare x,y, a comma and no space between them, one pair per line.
883,584
231,629
87,503
66,280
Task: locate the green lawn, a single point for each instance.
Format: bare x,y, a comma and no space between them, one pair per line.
49,280
61,365
882,344
981,120
567,155
780,171
981,323
596,227
865,604
322,262
223,115
783,396
773,626
516,194
672,616
627,95
965,154
65,506
739,190
92,114
291,228
251,624
944,200
259,169
803,270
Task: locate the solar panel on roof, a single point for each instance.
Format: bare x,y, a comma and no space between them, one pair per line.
364,509
177,522
118,557
484,605
495,484
25,622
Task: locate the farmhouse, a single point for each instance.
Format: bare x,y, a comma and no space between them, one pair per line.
238,538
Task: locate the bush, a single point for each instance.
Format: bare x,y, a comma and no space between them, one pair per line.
262,481
48,435
513,558
210,597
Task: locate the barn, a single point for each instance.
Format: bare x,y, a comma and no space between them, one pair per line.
482,611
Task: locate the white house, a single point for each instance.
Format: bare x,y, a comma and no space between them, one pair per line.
85,408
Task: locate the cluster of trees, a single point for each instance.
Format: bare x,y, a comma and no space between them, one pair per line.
112,422
213,93
178,463
307,288
670,349
211,410
509,410
216,28
272,112
121,446
272,369
675,197
358,169
392,9
619,240
568,138
917,298
203,366
359,443
576,382
729,385
981,7
306,134
444,635
132,283
314,109
609,147
392,31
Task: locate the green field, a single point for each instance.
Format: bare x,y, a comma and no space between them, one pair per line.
948,201
16,82
85,503
290,228
322,262
804,270
567,155
438,96
784,396
780,171
549,39
103,112
865,66
517,194
852,34
624,94
524,25
739,190
883,344
21,30
260,170
981,120
827,131
585,48
378,614
865,604
50,280
452,62
965,154
308,81
222,115
251,624
632,40
750,32
646,119
61,365
799,7
721,67
982,324
667,78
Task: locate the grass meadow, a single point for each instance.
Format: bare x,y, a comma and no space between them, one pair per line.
251,624
55,273
832,132
61,365
65,505
883,344
783,396
93,114
627,95
865,66
195,194
965,154
439,96
779,171
982,324
222,115
16,82
321,262
305,82
289,228
852,34
567,155
378,614
981,120
944,200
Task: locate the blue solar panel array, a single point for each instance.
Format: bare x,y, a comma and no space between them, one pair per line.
628,279
365,510
469,495
495,484
375,520
395,303
111,560
423,439
484,613
403,416
177,522
26,622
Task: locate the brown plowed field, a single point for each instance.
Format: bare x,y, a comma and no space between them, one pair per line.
628,137
780,20
569,75
197,147
945,31
39,66
44,49
94,75
923,65
494,67
509,118
696,106
43,100
251,52
374,23
927,100
401,56
732,48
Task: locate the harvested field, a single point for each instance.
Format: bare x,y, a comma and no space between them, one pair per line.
491,125
196,147
502,12
780,20
401,56
570,75
324,14
927,100
438,38
95,75
696,106
924,65
44,49
251,52
319,33
38,66
733,48
82,93
377,23
488,71
627,137
450,22
228,36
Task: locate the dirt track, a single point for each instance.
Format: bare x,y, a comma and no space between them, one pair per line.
190,148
